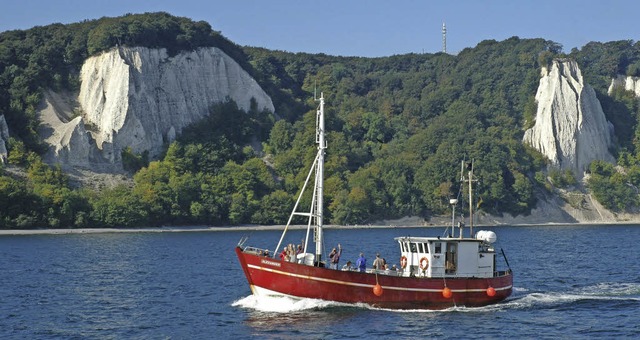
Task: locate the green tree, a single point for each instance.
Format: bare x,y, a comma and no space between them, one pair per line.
274,208
117,207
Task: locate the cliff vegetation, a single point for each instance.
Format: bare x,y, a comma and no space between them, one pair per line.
398,127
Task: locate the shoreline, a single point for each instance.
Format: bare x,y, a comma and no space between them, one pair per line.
67,231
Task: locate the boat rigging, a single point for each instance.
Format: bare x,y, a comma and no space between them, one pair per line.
435,272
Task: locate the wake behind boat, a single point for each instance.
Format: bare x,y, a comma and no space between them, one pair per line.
435,272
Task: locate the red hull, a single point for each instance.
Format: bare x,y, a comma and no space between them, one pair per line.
304,281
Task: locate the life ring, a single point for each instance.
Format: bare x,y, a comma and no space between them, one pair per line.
403,262
424,263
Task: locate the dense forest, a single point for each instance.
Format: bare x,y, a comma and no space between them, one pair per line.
398,128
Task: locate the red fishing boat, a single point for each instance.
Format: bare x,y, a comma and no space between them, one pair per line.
434,273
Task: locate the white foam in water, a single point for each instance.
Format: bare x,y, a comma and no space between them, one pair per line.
521,298
601,291
520,289
281,304
612,289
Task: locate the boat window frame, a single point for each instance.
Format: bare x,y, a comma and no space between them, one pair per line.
413,247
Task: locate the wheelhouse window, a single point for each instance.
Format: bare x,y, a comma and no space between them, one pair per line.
426,247
438,248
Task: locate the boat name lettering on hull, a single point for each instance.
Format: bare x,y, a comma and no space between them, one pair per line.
271,263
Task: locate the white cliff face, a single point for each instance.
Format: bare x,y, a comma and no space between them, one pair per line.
627,82
70,143
74,145
570,129
142,98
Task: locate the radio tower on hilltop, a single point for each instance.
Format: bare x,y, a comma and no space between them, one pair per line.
444,38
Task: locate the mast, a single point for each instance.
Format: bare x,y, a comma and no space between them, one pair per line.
322,145
470,168
470,180
317,204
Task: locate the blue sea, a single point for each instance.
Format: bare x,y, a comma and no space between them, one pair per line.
571,282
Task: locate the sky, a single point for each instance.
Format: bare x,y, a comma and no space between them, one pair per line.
366,28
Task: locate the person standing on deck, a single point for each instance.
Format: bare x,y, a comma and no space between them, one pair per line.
334,257
379,262
361,263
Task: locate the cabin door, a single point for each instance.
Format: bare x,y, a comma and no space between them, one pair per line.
451,258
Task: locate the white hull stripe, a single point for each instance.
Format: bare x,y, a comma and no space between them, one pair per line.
346,283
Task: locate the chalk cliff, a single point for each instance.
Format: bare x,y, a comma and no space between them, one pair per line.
142,98
627,82
570,126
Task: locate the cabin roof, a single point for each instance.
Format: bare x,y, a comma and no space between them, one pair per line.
435,239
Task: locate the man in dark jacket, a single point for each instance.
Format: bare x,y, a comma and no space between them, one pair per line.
334,257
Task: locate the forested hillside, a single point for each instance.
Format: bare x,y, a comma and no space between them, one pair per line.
398,128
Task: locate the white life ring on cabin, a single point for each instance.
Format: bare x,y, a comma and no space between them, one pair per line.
403,262
424,263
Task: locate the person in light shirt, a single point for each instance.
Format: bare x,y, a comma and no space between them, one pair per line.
379,262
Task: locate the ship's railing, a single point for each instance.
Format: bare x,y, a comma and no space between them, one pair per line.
256,251
389,272
385,272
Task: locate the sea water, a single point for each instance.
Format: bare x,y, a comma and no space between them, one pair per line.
569,282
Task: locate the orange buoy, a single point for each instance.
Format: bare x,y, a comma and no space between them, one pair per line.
491,291
403,262
424,263
377,289
446,292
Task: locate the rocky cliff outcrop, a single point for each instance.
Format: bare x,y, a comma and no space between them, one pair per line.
570,126
4,139
69,141
626,82
141,98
